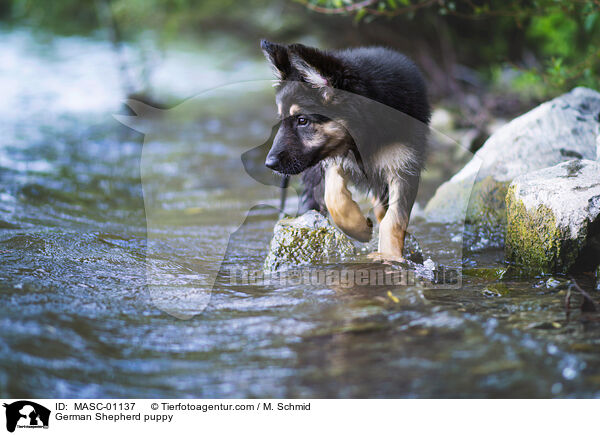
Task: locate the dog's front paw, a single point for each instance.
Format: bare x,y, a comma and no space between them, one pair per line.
361,231
385,258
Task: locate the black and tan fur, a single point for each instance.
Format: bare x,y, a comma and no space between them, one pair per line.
357,115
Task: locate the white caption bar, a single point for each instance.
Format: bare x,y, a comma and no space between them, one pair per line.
277,416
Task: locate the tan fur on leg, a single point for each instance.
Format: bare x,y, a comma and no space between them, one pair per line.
344,211
379,209
391,237
392,230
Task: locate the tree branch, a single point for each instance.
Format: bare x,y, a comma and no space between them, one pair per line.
365,5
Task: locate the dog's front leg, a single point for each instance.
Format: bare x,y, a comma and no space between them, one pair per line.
392,229
344,211
379,208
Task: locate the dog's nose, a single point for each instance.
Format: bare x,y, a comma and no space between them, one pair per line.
272,162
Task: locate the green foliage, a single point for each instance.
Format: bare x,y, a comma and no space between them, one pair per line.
556,33
67,16
168,18
544,46
561,39
564,42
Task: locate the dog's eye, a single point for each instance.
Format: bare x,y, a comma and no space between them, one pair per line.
302,120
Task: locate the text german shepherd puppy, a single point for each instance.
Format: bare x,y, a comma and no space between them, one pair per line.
337,125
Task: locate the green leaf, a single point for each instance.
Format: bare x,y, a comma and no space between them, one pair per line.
359,15
590,20
393,4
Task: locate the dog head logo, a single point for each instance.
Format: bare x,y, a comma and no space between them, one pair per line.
26,414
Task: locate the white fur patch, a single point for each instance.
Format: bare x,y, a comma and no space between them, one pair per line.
276,72
397,157
310,74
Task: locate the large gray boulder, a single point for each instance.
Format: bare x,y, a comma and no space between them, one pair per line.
559,130
553,218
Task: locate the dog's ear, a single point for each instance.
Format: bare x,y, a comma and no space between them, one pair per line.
278,58
317,68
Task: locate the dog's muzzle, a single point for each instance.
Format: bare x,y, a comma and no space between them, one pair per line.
273,162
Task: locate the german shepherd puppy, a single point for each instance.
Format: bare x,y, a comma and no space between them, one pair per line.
337,126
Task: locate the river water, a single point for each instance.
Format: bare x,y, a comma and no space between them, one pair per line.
94,261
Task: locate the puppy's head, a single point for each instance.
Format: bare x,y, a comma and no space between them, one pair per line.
305,79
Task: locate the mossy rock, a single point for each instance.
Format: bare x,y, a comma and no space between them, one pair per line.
533,240
487,203
312,239
479,202
553,223
496,290
481,205
493,273
307,239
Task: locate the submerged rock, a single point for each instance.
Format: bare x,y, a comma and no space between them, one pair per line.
311,239
554,218
307,239
556,131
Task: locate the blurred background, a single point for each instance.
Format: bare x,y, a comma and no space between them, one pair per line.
76,316
484,58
